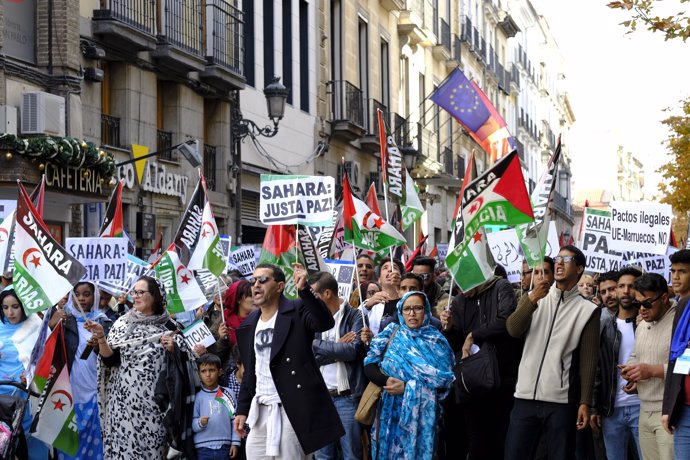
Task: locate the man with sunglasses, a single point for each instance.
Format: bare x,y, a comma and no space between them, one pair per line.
559,359
283,397
616,411
646,367
425,267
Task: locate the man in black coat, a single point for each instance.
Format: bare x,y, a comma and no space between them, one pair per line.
283,397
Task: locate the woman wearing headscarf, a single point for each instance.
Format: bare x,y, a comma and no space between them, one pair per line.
416,373
83,305
238,305
18,335
131,359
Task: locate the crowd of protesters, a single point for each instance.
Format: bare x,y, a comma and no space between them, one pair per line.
579,366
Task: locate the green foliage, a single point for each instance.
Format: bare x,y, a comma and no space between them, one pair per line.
645,12
676,185
61,151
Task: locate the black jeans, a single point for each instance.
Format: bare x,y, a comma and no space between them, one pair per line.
527,422
486,423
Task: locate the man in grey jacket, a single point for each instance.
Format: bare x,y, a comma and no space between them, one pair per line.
339,352
556,375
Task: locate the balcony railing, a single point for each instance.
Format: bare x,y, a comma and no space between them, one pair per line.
224,35
210,166
139,14
515,75
372,117
445,35
406,133
164,142
431,147
110,130
448,161
466,34
562,203
182,24
347,103
457,48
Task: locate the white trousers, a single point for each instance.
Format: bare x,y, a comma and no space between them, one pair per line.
289,445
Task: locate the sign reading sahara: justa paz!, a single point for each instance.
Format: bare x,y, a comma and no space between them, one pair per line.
290,200
105,259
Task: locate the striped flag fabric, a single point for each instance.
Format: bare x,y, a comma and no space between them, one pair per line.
182,290
471,262
225,400
43,270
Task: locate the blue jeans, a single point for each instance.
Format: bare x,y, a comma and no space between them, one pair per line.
617,430
351,442
681,437
204,453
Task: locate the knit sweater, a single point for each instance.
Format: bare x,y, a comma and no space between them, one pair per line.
652,342
218,431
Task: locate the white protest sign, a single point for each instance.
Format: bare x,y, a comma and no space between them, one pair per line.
136,268
343,271
507,252
243,258
290,200
198,333
651,263
596,234
105,259
6,207
442,249
642,227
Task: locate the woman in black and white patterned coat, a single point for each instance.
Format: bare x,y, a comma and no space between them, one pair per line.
132,357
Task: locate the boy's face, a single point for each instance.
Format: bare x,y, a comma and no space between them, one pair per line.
209,375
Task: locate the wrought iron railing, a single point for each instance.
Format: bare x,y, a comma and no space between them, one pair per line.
372,116
210,166
224,35
445,35
448,161
139,14
164,145
183,24
347,103
457,48
466,34
110,130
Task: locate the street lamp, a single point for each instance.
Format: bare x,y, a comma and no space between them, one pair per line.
276,97
189,149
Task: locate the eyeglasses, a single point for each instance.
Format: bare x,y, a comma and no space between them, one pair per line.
263,279
564,259
646,304
413,309
138,293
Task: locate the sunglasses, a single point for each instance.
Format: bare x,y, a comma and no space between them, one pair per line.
646,304
263,279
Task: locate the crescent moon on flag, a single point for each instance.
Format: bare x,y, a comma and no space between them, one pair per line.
27,253
213,230
69,396
6,234
181,267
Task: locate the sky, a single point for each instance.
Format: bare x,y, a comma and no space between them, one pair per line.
619,85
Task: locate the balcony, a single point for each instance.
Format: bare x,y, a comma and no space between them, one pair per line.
371,141
110,131
456,59
393,5
562,204
503,78
210,166
128,25
442,51
466,34
224,46
448,161
347,116
180,47
416,22
508,26
404,132
514,80
164,142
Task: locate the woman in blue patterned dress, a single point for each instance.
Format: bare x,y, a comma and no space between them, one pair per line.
416,373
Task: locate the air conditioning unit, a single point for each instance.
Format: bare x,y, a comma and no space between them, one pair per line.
8,119
43,113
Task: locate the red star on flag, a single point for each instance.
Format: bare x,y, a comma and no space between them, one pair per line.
204,233
185,279
477,238
58,405
36,261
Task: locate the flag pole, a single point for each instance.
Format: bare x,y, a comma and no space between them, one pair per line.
220,298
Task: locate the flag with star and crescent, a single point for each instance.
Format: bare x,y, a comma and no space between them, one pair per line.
40,261
182,290
54,422
197,241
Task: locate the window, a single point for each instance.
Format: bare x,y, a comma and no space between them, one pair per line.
336,41
248,14
269,48
363,58
287,47
304,55
385,75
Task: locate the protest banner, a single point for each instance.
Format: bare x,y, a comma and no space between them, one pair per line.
651,263
343,271
290,200
6,207
208,282
596,234
244,259
643,226
105,259
442,249
136,268
198,333
506,249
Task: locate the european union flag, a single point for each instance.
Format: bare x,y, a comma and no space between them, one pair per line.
459,98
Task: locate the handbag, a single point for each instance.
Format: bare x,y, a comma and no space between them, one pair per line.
477,374
366,410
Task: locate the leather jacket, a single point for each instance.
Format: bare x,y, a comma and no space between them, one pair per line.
352,354
606,380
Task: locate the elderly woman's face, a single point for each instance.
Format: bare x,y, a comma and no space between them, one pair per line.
413,311
143,300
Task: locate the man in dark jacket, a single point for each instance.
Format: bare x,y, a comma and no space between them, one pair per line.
479,317
283,397
616,411
426,268
339,352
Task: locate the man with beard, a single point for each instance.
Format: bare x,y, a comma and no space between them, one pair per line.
425,268
608,282
615,410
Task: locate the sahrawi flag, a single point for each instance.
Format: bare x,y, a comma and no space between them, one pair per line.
533,236
280,248
54,422
43,270
197,241
181,288
363,227
496,197
112,223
